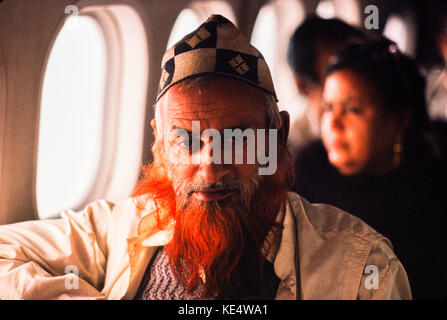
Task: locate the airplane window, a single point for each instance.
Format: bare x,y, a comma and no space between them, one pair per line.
72,109
264,31
349,11
126,106
92,110
276,22
205,8
346,10
397,30
186,22
326,9
196,13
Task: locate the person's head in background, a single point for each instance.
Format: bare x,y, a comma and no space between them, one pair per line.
374,113
311,46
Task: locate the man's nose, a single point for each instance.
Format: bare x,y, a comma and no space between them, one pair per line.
336,119
208,169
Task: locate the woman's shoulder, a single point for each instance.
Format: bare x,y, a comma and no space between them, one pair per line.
312,160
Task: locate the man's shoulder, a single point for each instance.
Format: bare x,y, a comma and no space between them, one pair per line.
335,248
124,214
139,204
329,222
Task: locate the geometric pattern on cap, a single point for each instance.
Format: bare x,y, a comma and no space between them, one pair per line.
215,47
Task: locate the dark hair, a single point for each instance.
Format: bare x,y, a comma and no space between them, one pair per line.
303,45
394,77
440,17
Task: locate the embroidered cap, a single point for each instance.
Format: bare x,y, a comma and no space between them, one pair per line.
215,47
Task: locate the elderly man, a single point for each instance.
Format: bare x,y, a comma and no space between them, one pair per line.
201,224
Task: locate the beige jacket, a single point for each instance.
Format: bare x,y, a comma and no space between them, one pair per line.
109,248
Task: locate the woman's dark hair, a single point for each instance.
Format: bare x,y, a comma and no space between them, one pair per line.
396,80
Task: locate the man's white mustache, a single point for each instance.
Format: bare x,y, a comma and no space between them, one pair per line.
221,185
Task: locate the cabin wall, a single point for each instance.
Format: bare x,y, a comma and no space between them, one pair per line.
27,32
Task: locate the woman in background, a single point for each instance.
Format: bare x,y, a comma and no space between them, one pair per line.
375,162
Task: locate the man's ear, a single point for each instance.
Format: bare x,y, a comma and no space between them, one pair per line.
154,126
284,130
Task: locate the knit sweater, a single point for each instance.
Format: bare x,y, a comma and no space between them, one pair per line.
159,283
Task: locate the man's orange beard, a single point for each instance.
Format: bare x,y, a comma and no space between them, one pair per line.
223,242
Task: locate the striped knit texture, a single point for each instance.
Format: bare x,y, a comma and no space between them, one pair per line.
159,282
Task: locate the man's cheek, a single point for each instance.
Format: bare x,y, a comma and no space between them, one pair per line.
179,174
245,172
175,156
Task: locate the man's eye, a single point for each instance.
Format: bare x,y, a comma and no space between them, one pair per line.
354,110
187,143
327,108
184,143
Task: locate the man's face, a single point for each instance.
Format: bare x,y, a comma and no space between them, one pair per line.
223,211
221,104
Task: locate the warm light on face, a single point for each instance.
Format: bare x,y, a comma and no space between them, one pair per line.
357,135
219,134
230,146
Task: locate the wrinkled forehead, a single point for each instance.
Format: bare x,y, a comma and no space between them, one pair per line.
219,105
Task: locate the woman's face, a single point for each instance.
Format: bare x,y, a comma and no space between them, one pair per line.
357,133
